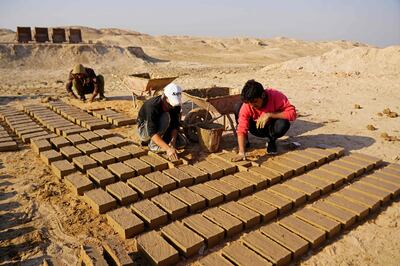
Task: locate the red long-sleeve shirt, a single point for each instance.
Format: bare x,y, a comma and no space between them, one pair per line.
277,102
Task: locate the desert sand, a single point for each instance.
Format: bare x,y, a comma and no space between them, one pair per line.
338,88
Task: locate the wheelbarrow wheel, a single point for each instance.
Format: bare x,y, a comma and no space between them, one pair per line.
192,120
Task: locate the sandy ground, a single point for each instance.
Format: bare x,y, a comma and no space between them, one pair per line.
338,88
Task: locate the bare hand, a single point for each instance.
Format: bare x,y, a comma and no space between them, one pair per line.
239,157
262,120
172,154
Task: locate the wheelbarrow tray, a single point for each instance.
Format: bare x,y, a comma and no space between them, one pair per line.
143,83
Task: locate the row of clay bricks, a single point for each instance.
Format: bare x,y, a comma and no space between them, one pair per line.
113,117
190,198
211,226
7,143
23,126
281,242
78,116
52,121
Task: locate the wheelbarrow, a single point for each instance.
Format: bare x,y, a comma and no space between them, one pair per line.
213,103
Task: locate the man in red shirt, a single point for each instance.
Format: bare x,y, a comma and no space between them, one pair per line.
265,113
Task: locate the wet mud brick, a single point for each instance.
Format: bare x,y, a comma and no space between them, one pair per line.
174,207
143,186
297,197
297,245
102,144
288,164
76,139
267,248
213,170
345,217
100,201
101,176
329,225
367,158
6,139
212,196
212,260
198,175
62,168
334,167
338,151
27,137
123,121
140,167
119,154
283,204
372,203
386,177
156,249
121,170
150,213
228,156
382,195
90,136
329,155
73,130
368,166
155,163
241,255
118,141
249,217
134,150
281,169
103,158
70,152
124,222
60,142
231,224
330,177
78,183
307,231
391,171
307,162
118,254
227,167
193,200
97,125
184,239
361,211
343,163
46,137
257,181
311,192
87,148
267,211
50,156
393,188
322,184
270,176
92,256
319,159
8,146
103,133
163,181
229,192
244,186
212,233
122,192
183,179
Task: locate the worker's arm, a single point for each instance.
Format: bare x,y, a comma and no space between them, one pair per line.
69,89
94,94
174,135
242,148
171,151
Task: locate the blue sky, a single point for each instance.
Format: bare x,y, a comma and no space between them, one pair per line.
375,22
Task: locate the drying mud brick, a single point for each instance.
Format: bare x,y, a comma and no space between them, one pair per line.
361,211
118,254
382,184
267,211
198,175
103,133
102,144
378,193
150,213
283,204
155,163
241,255
212,260
227,167
76,139
212,233
193,200
312,234
174,207
163,181
353,195
92,256
267,248
335,168
121,170
231,225
256,180
322,184
143,186
213,170
288,163
347,218
90,136
46,137
118,141
27,137
229,156
50,156
307,162
122,192
330,155
332,178
367,158
183,179
212,196
78,183
229,192
245,187
249,217
119,154
101,176
140,167
60,142
8,146
124,222
62,168
297,197
318,159
270,176
386,177
330,226
156,249
311,192
87,148
100,201
70,152
134,150
184,239
281,169
297,245
39,146
103,158
367,166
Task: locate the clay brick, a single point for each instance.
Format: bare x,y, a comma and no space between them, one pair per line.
60,142
100,201
28,131
332,178
101,176
375,192
212,196
72,131
87,148
311,192
91,256
155,163
229,156
134,150
150,213
78,183
117,253
70,152
382,184
307,162
281,169
97,125
334,167
391,171
124,222
145,187
27,137
229,192
286,238
39,146
8,146
271,177
283,204
318,159
184,239
179,176
121,170
330,226
163,181
267,211
46,137
213,170
103,158
312,234
62,168
102,144
245,187
122,192
90,136
343,163
212,233
103,133
157,250
118,141
212,260
370,202
241,255
288,163
227,167
322,184
193,200
174,207
123,121
249,217
358,209
339,151
368,166
257,181
330,155
50,156
267,248
342,215
386,177
297,197
140,167
119,154
6,139
84,162
198,175
367,158
59,130
231,225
